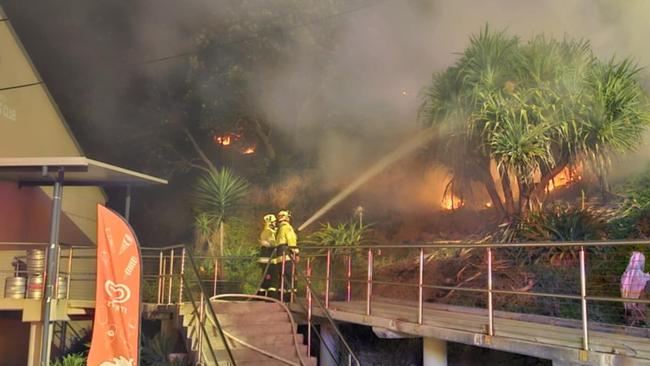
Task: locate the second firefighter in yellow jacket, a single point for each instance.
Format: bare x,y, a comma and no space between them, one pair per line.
286,243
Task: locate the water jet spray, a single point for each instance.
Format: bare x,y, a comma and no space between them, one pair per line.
403,150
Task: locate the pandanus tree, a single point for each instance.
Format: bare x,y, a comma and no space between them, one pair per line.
526,110
218,196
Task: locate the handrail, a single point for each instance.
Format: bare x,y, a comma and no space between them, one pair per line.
211,310
202,331
469,245
325,311
291,319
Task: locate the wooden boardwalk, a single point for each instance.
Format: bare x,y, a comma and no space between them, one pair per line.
539,336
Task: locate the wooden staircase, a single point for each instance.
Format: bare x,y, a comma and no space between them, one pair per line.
264,325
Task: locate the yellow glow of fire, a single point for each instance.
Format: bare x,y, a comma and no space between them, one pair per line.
451,202
563,178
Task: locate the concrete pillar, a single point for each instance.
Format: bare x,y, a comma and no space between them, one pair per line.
168,328
329,339
434,352
34,353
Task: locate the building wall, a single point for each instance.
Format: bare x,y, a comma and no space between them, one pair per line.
31,125
14,339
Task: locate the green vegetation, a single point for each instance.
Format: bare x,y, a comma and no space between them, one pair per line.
531,108
75,359
343,234
218,197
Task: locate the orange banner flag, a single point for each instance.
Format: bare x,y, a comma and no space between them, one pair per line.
116,330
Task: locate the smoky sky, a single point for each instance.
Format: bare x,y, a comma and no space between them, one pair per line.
349,99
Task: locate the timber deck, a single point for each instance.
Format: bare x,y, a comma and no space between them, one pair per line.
534,335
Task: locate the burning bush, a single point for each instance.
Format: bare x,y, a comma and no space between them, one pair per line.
532,109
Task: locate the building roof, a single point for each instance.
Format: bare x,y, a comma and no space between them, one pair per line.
78,171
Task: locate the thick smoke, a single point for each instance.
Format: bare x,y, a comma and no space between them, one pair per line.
352,97
385,54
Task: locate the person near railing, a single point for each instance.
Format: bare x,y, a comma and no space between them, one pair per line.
267,244
633,283
286,240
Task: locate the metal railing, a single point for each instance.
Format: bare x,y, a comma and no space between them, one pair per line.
189,286
309,310
594,270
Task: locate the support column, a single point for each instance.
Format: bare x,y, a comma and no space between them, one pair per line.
34,353
434,352
328,341
52,270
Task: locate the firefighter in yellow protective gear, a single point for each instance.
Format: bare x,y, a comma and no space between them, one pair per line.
267,245
286,242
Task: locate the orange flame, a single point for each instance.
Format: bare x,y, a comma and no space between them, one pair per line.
224,140
564,178
451,202
249,150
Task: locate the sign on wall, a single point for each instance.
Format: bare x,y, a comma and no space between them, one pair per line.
6,111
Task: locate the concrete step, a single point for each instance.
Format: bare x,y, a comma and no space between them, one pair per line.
252,330
239,319
309,361
247,355
267,340
246,307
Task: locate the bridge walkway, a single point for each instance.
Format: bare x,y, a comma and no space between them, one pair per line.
534,335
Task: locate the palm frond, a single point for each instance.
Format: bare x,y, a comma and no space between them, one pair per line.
218,194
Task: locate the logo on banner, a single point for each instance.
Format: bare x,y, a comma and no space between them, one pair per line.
119,362
117,293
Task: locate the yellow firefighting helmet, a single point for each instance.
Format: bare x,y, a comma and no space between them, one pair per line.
269,219
284,215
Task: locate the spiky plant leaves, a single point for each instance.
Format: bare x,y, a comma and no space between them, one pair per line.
532,108
219,194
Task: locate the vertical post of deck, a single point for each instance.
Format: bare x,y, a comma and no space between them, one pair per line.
51,270
349,275
583,300
490,300
420,284
181,277
369,284
127,204
309,307
434,352
171,276
328,273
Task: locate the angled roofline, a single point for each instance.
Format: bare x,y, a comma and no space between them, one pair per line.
39,78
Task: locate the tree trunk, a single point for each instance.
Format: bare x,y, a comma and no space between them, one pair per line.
221,251
264,137
490,187
199,151
507,192
543,183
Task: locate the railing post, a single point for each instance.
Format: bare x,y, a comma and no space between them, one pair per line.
171,276
163,282
67,289
309,307
489,285
369,284
180,280
216,277
328,272
282,276
201,332
294,263
349,277
420,288
583,300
